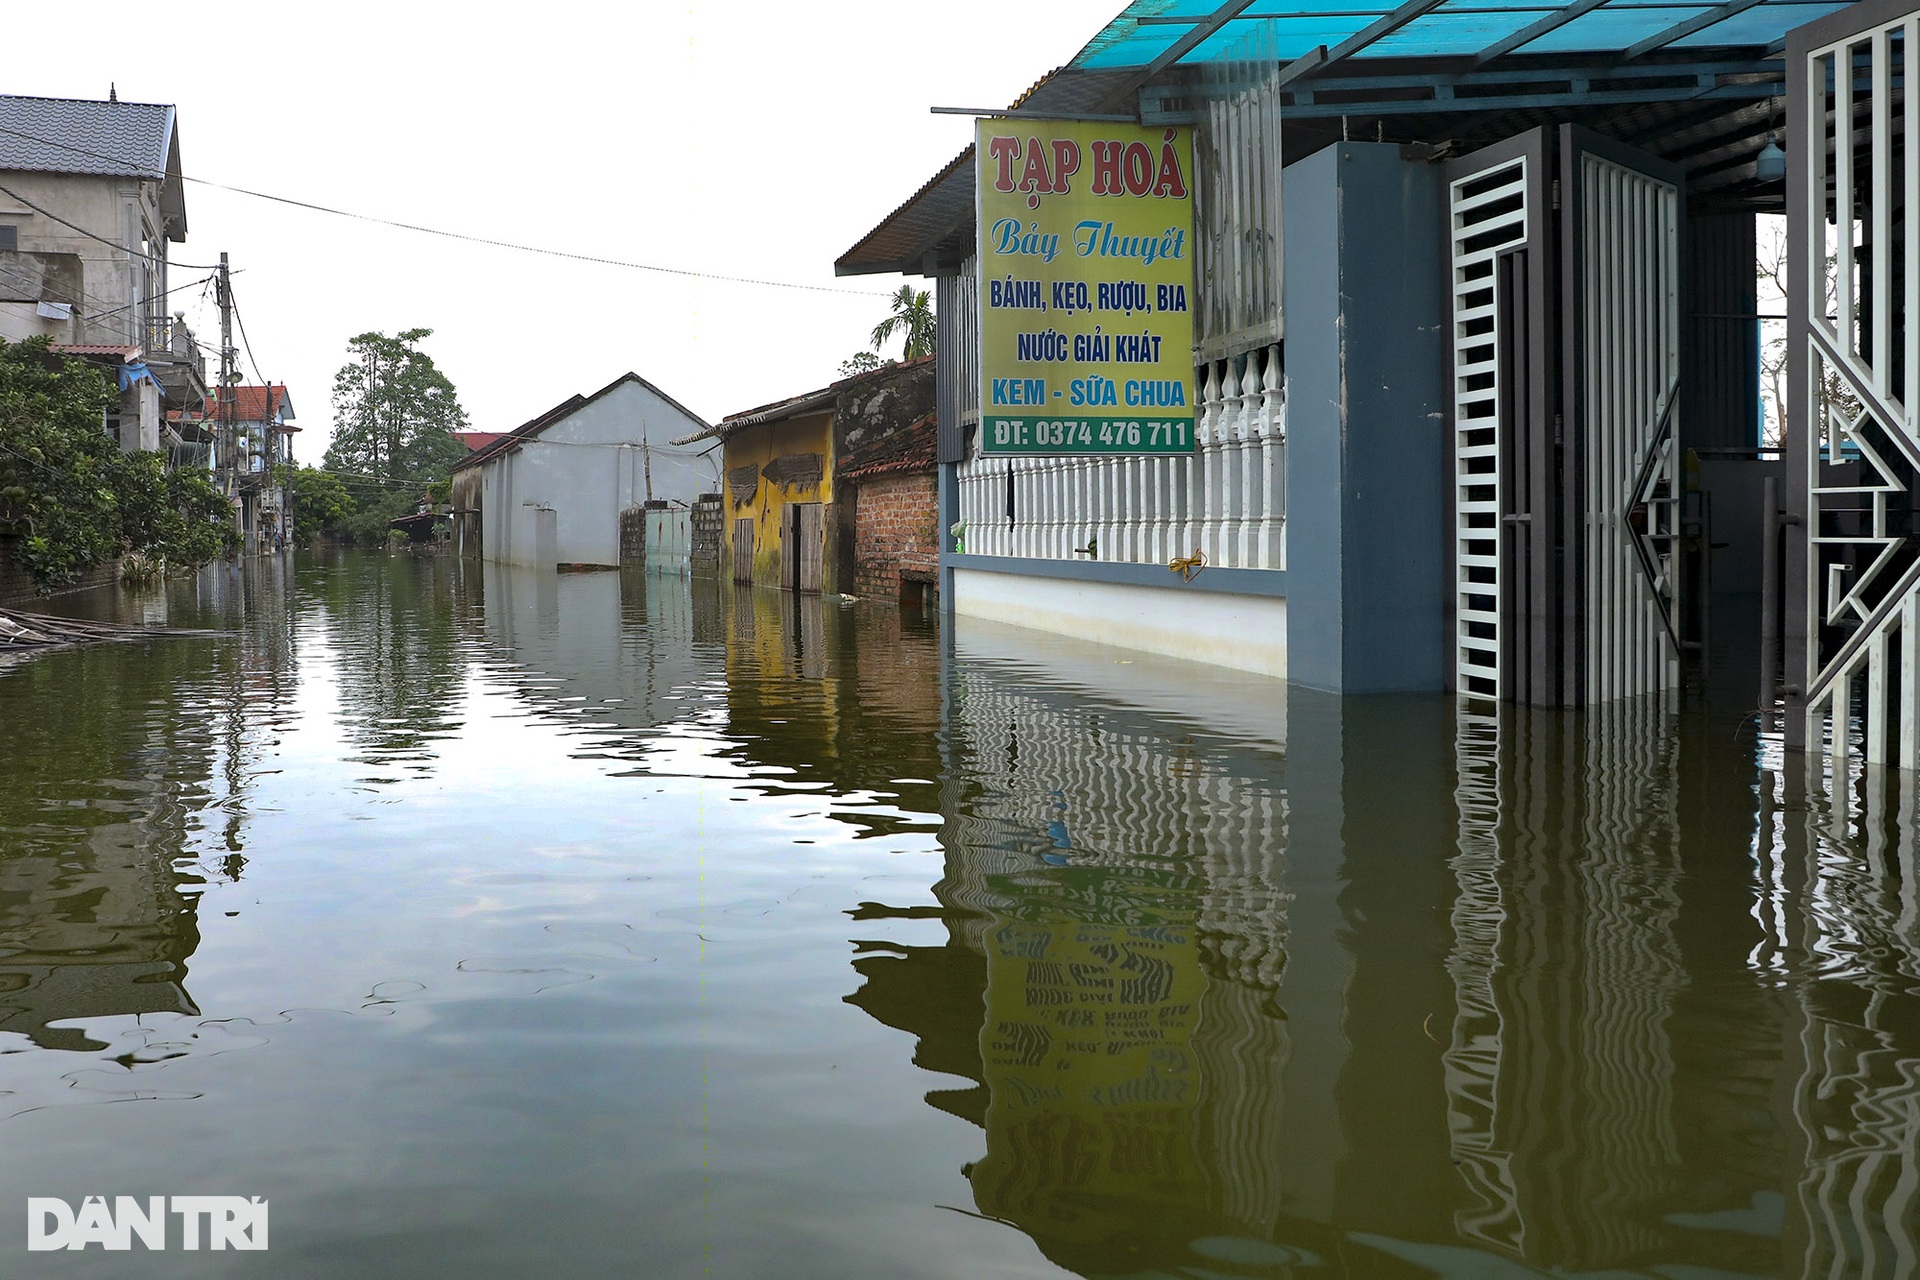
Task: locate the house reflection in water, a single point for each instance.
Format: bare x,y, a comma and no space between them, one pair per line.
1116,925
1234,979
96,919
1415,982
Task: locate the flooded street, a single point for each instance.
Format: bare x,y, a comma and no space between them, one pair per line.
489,923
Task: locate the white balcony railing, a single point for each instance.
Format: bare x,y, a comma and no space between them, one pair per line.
1226,501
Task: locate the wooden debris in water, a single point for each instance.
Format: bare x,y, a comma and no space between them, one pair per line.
20,630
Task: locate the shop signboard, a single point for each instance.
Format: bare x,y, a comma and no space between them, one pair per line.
1086,288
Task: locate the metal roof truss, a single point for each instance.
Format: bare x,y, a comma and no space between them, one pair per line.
1540,87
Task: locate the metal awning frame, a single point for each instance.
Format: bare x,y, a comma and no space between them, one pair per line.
1726,91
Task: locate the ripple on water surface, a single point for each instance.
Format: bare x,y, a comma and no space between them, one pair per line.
498,923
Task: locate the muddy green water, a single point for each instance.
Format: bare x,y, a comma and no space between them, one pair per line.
491,924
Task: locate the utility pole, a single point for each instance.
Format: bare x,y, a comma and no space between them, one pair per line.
224,435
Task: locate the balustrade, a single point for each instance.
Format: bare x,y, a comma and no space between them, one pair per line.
1226,500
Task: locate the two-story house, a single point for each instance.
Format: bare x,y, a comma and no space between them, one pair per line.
90,198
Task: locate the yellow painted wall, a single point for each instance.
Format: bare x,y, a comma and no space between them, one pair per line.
757,446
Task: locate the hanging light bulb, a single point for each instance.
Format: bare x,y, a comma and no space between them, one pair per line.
1771,164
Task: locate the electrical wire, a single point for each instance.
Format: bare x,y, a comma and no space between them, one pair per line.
111,244
431,231
365,477
24,281
538,249
245,341
128,306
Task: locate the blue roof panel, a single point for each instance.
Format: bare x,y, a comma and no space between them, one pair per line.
1459,28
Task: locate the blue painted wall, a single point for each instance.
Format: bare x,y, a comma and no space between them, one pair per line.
1368,464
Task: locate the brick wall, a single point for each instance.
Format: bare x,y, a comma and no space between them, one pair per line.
16,584
633,535
708,517
893,534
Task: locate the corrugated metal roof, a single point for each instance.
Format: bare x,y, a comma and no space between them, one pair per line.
944,206
79,135
511,440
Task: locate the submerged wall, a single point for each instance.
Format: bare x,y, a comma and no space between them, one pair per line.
1131,608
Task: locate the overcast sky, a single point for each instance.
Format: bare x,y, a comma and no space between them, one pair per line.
746,139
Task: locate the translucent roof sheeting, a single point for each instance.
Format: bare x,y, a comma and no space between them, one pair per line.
1700,85
1452,28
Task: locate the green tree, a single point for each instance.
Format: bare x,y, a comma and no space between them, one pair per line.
393,412
858,363
320,501
56,494
912,317
68,493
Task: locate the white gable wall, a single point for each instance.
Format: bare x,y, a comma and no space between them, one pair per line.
586,468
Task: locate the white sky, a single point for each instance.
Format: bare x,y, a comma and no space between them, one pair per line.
754,139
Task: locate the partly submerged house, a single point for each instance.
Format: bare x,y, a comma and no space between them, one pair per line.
551,491
893,484
90,199
790,511
262,431
1471,394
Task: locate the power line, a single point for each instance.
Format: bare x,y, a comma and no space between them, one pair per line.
374,479
128,306
111,244
24,280
436,231
248,343
537,249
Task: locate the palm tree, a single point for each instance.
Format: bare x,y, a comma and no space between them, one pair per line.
912,312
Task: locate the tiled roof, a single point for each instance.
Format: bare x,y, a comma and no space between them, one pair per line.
251,403
75,135
807,403
127,354
913,448
478,440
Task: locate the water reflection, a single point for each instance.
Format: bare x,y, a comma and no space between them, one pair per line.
1207,979
101,799
1428,983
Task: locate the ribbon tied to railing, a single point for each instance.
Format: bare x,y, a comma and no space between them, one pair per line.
1188,566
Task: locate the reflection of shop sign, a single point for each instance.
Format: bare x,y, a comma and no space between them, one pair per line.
1086,288
1093,1081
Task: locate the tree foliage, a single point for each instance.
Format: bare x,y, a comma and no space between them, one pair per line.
393,412
321,504
860,362
912,318
369,524
71,496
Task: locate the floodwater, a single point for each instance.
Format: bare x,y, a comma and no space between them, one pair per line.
492,924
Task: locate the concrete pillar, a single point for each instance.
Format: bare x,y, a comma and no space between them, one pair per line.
1368,466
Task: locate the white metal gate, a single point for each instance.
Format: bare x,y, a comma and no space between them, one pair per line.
1853,417
1566,350
1489,209
1624,276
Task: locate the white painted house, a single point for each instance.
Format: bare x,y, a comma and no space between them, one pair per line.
551,491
